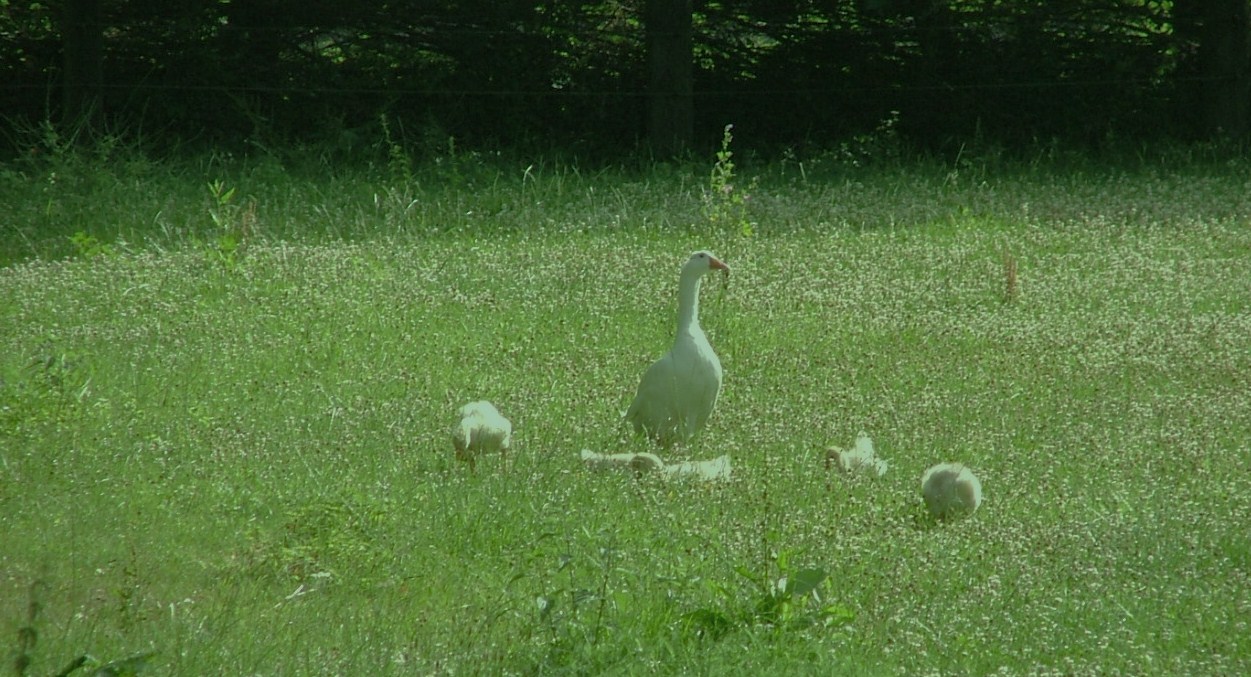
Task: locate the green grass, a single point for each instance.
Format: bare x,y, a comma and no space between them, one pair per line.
224,424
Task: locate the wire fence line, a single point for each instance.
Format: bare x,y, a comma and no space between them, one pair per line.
557,91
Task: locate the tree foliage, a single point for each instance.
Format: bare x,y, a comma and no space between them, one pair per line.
574,73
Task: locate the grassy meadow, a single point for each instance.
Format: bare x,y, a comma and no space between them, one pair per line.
227,388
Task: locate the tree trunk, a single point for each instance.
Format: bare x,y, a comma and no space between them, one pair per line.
670,96
83,47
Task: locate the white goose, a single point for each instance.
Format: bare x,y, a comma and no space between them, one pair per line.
679,391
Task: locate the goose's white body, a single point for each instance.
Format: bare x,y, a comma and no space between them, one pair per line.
481,428
951,490
678,392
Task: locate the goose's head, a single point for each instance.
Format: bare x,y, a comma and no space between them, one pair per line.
703,261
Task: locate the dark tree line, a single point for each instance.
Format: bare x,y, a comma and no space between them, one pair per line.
612,74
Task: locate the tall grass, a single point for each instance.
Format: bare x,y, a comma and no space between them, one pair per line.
224,420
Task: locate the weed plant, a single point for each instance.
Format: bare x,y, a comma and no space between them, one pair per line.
229,459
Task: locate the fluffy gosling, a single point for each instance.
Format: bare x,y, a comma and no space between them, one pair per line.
859,459
717,469
481,429
639,463
951,490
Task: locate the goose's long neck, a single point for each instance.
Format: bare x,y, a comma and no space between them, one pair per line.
688,302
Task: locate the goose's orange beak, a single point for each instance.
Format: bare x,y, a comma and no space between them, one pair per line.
716,264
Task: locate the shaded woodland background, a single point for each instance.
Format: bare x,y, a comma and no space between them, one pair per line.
623,74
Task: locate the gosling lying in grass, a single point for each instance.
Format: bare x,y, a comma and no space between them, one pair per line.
717,469
637,462
859,459
481,429
951,490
